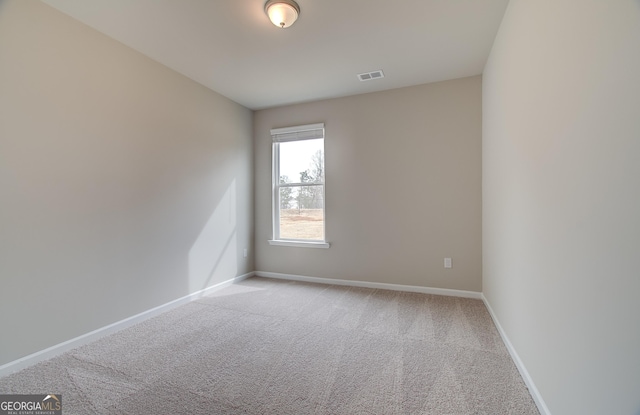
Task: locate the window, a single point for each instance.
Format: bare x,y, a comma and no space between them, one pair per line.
298,186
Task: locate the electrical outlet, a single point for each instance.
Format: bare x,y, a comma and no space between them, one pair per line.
245,252
447,262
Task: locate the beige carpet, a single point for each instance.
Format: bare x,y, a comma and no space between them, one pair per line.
279,347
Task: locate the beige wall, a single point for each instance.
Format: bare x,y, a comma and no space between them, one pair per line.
403,187
561,198
123,185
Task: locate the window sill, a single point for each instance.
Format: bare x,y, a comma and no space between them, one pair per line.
300,244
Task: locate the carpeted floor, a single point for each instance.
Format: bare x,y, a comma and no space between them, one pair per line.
267,346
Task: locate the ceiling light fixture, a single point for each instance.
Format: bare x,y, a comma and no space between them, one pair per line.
282,13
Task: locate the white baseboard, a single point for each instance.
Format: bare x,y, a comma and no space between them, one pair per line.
379,285
87,338
535,394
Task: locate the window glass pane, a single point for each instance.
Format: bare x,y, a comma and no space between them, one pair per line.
301,212
302,161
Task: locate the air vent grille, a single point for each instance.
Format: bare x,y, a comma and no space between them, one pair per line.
368,76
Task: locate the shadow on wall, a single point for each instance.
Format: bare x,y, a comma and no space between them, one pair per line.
213,256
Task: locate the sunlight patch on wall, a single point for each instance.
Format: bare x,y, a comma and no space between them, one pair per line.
213,256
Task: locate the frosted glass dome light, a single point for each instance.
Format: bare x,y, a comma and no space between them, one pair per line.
282,13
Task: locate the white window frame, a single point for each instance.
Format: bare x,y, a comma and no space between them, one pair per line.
283,135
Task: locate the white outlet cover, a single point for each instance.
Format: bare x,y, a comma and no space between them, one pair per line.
447,262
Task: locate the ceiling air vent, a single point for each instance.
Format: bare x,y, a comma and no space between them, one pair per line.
368,76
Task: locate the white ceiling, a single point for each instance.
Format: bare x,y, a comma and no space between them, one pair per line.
231,46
